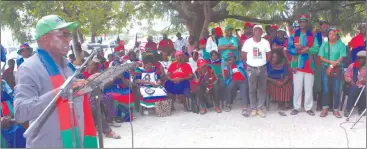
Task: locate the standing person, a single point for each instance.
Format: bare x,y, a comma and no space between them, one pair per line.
228,44
332,53
38,80
203,53
179,73
181,43
321,37
247,32
257,51
355,77
272,33
151,44
236,77
166,45
193,45
8,74
303,46
358,42
279,84
25,51
213,40
280,42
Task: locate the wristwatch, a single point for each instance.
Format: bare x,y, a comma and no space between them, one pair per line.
331,66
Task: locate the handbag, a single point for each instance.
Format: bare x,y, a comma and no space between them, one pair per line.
331,72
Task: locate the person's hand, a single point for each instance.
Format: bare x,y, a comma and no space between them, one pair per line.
298,46
279,83
305,49
93,76
335,64
79,83
5,122
352,83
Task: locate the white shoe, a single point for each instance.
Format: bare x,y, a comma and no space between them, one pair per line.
114,124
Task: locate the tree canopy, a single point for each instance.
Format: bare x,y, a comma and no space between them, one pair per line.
97,17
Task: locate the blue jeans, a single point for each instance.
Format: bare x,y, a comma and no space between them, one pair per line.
336,89
354,92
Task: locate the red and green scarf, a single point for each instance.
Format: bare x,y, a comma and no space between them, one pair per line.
62,105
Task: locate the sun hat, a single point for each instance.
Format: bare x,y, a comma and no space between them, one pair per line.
23,47
50,23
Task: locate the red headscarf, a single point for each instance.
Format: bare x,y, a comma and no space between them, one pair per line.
218,31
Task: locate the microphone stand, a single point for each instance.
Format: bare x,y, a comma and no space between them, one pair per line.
66,91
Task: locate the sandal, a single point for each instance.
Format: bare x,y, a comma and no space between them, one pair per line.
294,112
227,108
113,135
282,113
337,114
324,113
311,113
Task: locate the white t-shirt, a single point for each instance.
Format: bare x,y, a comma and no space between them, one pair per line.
256,51
180,43
192,63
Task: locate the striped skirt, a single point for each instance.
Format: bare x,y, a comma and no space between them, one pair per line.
280,94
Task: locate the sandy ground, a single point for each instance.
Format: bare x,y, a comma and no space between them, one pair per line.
183,129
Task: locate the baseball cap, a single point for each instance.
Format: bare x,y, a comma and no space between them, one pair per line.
258,26
50,23
281,29
24,46
228,27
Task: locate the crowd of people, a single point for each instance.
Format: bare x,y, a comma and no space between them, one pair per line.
309,65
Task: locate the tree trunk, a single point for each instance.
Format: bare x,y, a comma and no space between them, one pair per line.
207,15
76,49
195,25
80,36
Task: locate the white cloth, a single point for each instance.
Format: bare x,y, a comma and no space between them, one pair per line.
192,63
256,51
211,45
325,39
151,92
180,43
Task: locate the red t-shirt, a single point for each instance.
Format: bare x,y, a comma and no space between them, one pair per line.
179,70
152,45
163,44
237,75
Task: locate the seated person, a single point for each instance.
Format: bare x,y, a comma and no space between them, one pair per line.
236,77
216,64
355,77
179,73
206,80
165,61
107,104
150,86
279,84
11,132
121,92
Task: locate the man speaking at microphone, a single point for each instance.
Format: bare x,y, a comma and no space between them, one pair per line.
39,80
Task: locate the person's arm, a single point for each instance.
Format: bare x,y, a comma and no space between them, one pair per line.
28,102
189,71
221,45
314,49
291,47
234,46
277,47
348,75
244,50
267,50
286,75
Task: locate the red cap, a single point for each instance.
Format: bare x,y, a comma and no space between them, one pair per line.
248,24
201,63
274,27
218,31
202,42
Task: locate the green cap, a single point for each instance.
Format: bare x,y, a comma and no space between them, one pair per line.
228,27
50,23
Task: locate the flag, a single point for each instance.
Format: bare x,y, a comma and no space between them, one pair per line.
3,55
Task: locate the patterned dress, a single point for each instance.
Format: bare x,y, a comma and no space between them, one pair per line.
280,94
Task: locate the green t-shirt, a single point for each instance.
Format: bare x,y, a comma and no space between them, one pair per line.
225,41
336,51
